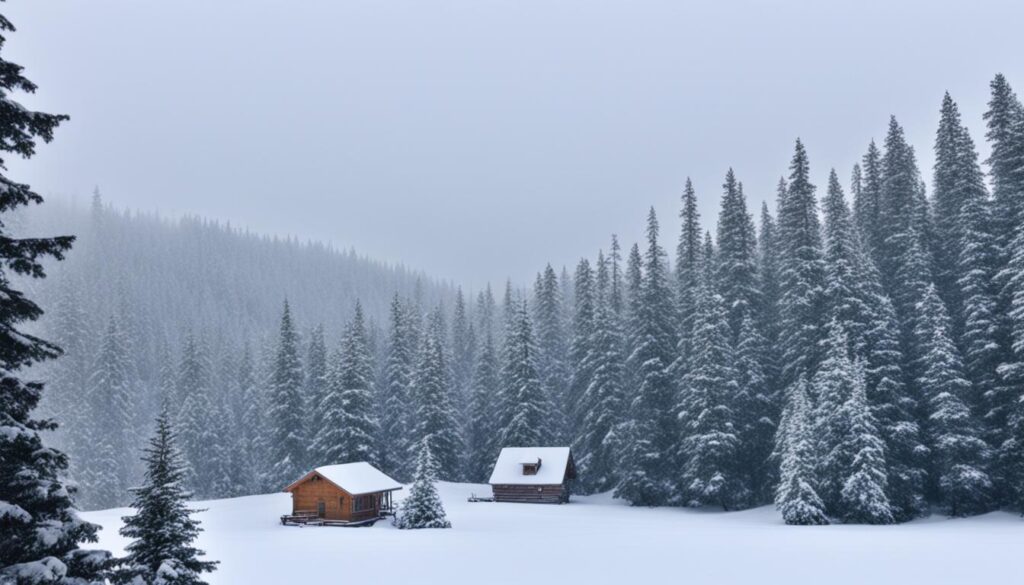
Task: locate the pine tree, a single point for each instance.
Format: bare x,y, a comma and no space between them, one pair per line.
796,497
393,394
845,301
110,407
710,448
481,442
580,343
867,202
597,443
688,255
434,420
35,500
1005,120
959,454
162,529
768,270
649,441
525,419
463,344
287,432
756,410
801,273
315,388
863,499
737,257
349,432
195,417
552,346
423,508
251,424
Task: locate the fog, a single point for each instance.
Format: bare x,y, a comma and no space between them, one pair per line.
477,140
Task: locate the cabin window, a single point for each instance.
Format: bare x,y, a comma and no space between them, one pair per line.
363,503
341,503
321,509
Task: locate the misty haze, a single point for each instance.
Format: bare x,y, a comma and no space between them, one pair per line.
602,292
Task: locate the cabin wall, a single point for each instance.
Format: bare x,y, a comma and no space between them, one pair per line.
308,494
532,494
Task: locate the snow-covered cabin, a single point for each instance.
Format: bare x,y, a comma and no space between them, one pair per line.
541,475
339,494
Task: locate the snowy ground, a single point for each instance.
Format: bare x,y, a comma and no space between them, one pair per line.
594,540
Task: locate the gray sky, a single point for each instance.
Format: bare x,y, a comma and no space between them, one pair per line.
479,139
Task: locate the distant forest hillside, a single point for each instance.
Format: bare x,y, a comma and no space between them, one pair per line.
161,281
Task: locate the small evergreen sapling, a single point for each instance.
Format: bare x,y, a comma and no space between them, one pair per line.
423,507
162,527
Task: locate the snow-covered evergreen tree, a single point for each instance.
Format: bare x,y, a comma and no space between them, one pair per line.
863,498
39,531
801,273
481,440
162,529
526,418
710,448
580,343
652,429
434,420
796,497
597,442
867,202
688,254
552,350
960,456
423,507
756,411
110,408
287,408
393,395
315,388
736,267
349,432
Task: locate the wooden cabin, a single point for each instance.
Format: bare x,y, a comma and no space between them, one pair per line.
349,493
538,475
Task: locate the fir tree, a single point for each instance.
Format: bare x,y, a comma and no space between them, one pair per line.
1005,120
796,497
287,432
162,529
35,500
580,342
423,508
737,257
960,456
393,394
481,443
863,498
597,443
711,443
434,420
801,273
316,385
756,411
251,423
525,420
648,444
867,202
688,255
552,346
110,404
350,427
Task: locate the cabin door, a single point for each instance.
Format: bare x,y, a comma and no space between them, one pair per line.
321,509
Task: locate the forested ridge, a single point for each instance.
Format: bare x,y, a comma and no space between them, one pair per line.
851,352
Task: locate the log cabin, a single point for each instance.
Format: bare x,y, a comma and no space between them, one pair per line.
345,494
538,475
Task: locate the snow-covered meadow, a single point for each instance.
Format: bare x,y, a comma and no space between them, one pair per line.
594,540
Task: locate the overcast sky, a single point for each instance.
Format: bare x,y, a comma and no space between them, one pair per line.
479,139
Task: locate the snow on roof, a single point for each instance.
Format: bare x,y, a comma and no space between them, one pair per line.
508,470
355,478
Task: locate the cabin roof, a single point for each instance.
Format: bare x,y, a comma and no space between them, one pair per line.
355,478
508,470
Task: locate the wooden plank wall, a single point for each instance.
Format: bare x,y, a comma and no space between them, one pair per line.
543,494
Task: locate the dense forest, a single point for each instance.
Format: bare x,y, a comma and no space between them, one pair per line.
853,355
